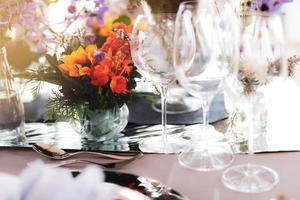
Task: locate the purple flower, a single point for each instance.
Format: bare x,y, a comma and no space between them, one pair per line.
89,38
271,5
98,13
99,56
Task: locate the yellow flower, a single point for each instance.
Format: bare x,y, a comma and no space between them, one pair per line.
73,64
77,57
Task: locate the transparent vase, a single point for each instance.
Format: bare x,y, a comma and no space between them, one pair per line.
103,124
12,118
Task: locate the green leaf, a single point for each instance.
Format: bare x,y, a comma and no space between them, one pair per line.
123,18
52,60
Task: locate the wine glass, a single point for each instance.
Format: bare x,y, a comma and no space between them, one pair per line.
197,58
178,101
151,49
261,60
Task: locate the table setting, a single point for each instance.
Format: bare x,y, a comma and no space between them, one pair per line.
140,99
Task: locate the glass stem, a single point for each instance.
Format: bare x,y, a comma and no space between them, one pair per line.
205,115
250,134
163,94
205,112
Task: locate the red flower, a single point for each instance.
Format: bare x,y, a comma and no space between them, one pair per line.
113,43
118,40
118,85
100,73
115,66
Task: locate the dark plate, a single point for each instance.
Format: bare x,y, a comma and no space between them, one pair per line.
149,187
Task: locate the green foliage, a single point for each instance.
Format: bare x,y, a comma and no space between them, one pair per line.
123,18
61,108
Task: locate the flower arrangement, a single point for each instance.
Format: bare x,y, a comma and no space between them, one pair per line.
92,67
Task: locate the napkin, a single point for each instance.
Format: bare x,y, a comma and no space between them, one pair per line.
39,182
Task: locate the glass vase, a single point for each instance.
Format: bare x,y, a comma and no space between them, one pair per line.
12,118
103,124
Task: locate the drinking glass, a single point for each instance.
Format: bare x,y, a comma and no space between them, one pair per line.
12,116
178,101
261,60
197,58
151,49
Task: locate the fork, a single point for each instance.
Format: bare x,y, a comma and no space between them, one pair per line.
111,165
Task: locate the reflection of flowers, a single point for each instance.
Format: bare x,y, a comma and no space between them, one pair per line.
253,67
271,5
292,63
254,73
263,5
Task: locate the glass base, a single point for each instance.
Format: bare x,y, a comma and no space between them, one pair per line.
187,105
250,178
155,144
207,156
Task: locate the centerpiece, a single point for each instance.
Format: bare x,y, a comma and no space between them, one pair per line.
93,69
95,83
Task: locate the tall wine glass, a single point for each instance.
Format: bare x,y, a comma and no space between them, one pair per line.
151,49
261,60
197,57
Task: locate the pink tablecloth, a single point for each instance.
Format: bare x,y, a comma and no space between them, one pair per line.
195,185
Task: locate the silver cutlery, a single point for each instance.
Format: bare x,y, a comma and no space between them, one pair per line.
111,165
56,153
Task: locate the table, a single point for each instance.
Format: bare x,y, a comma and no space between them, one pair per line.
195,185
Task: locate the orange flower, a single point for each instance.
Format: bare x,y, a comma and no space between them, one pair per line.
73,64
118,85
100,74
74,70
